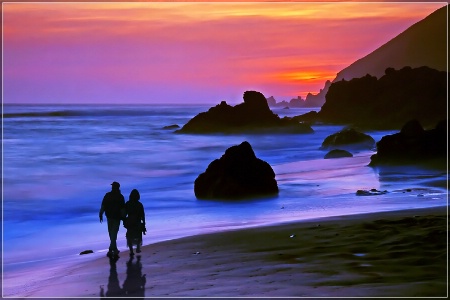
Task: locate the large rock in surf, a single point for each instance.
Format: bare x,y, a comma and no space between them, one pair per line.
413,145
348,139
252,116
237,174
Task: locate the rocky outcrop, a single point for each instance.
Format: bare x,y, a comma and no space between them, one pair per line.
388,102
237,174
337,153
252,116
349,139
413,145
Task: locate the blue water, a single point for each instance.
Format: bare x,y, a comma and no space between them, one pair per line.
59,161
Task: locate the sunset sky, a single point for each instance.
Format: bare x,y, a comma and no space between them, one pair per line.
170,52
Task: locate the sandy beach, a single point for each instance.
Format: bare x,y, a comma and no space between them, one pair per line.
388,254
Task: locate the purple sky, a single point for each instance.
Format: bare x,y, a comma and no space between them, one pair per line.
188,52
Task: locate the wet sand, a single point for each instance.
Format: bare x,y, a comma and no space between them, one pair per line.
390,254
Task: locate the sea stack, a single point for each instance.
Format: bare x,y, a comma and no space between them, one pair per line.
238,174
252,116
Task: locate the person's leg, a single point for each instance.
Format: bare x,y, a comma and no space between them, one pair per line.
139,244
113,229
130,242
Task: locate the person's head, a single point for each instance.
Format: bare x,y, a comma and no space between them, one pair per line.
115,186
134,195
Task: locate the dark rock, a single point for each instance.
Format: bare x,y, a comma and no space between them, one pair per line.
287,107
412,129
252,116
237,174
348,138
372,192
388,102
311,117
86,252
171,127
338,153
413,145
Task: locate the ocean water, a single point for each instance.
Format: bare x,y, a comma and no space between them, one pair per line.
59,161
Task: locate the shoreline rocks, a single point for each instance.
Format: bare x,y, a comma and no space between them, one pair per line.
413,145
348,138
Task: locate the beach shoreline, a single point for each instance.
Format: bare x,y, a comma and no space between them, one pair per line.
385,254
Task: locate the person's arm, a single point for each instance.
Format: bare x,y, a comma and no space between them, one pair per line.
143,214
102,210
123,209
144,230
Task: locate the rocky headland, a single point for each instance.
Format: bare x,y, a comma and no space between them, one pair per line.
388,102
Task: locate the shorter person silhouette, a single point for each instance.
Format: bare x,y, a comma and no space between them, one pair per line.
134,221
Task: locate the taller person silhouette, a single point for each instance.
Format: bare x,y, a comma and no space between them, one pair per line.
113,205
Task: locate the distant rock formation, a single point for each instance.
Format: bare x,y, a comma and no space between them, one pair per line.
311,100
252,116
390,101
337,153
271,101
318,99
294,102
413,145
237,174
348,139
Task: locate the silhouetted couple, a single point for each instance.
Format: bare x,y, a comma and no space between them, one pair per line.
133,216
